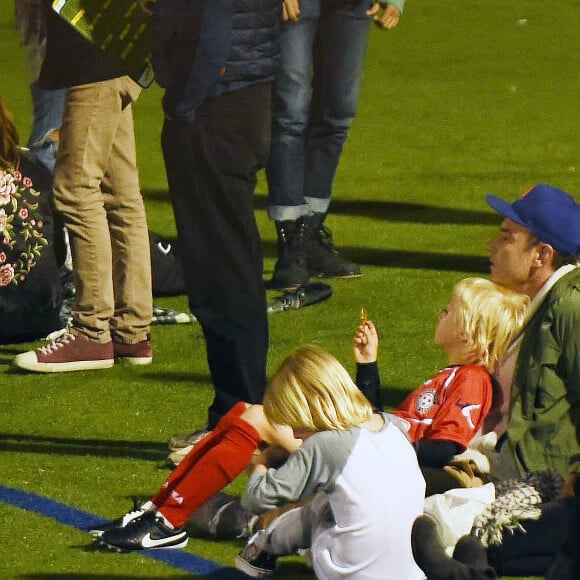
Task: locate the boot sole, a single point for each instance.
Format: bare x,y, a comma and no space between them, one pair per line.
344,276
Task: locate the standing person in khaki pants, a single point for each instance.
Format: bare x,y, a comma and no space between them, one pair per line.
96,188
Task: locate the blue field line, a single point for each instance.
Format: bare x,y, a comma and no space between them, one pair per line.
84,521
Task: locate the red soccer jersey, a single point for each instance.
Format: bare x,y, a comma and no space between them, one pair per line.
450,406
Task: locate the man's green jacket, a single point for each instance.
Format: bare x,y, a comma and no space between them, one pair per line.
544,424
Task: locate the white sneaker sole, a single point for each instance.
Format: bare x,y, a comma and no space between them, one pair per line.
135,360
182,544
29,362
250,570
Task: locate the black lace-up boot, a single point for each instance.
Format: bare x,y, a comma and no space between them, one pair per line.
323,260
290,271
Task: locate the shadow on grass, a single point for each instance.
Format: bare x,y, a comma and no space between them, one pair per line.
286,571
223,574
147,450
396,212
403,259
407,259
393,211
7,355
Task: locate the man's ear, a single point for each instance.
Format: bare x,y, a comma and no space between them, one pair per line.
545,255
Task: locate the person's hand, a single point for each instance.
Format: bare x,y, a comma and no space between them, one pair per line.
271,456
385,15
291,10
366,343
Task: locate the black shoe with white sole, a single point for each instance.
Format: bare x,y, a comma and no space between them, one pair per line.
254,560
98,530
146,532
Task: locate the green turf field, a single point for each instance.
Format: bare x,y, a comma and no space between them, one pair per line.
462,99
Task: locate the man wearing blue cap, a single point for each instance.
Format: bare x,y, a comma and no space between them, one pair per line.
537,253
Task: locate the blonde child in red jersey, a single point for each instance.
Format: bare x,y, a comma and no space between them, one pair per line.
447,411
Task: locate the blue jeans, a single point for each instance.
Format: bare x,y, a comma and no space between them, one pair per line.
315,98
48,110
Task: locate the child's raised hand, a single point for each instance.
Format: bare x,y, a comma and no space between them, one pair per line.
366,343
291,10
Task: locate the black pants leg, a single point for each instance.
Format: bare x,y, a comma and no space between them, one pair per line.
211,169
532,553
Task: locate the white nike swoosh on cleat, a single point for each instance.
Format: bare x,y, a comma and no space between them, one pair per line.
149,542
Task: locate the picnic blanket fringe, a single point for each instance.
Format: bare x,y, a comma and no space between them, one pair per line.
516,500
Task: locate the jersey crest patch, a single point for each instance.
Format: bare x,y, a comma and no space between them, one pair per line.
426,400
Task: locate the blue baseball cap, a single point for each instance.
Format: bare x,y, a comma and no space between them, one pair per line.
549,213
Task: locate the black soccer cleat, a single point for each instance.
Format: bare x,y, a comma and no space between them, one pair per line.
98,530
147,532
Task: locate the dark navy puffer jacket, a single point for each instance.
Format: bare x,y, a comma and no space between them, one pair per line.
206,48
254,50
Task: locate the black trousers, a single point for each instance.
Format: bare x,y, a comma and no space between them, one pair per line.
211,170
532,553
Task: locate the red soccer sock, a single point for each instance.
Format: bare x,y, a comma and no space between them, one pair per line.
188,462
219,462
198,451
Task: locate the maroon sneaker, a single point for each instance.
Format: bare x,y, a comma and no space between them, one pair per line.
139,353
68,352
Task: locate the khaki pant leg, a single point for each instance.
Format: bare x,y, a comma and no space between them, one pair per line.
131,258
96,116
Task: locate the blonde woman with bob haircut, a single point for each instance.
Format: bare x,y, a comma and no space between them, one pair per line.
312,391
357,465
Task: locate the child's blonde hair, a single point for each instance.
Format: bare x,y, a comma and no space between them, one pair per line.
490,316
312,391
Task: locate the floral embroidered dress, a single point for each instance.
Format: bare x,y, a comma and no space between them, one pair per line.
21,227
30,286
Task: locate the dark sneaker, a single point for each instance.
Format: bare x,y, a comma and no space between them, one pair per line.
254,560
428,550
167,316
176,457
182,443
147,532
99,530
470,550
430,555
323,259
138,353
68,352
181,440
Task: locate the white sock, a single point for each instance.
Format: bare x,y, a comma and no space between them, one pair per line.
165,521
